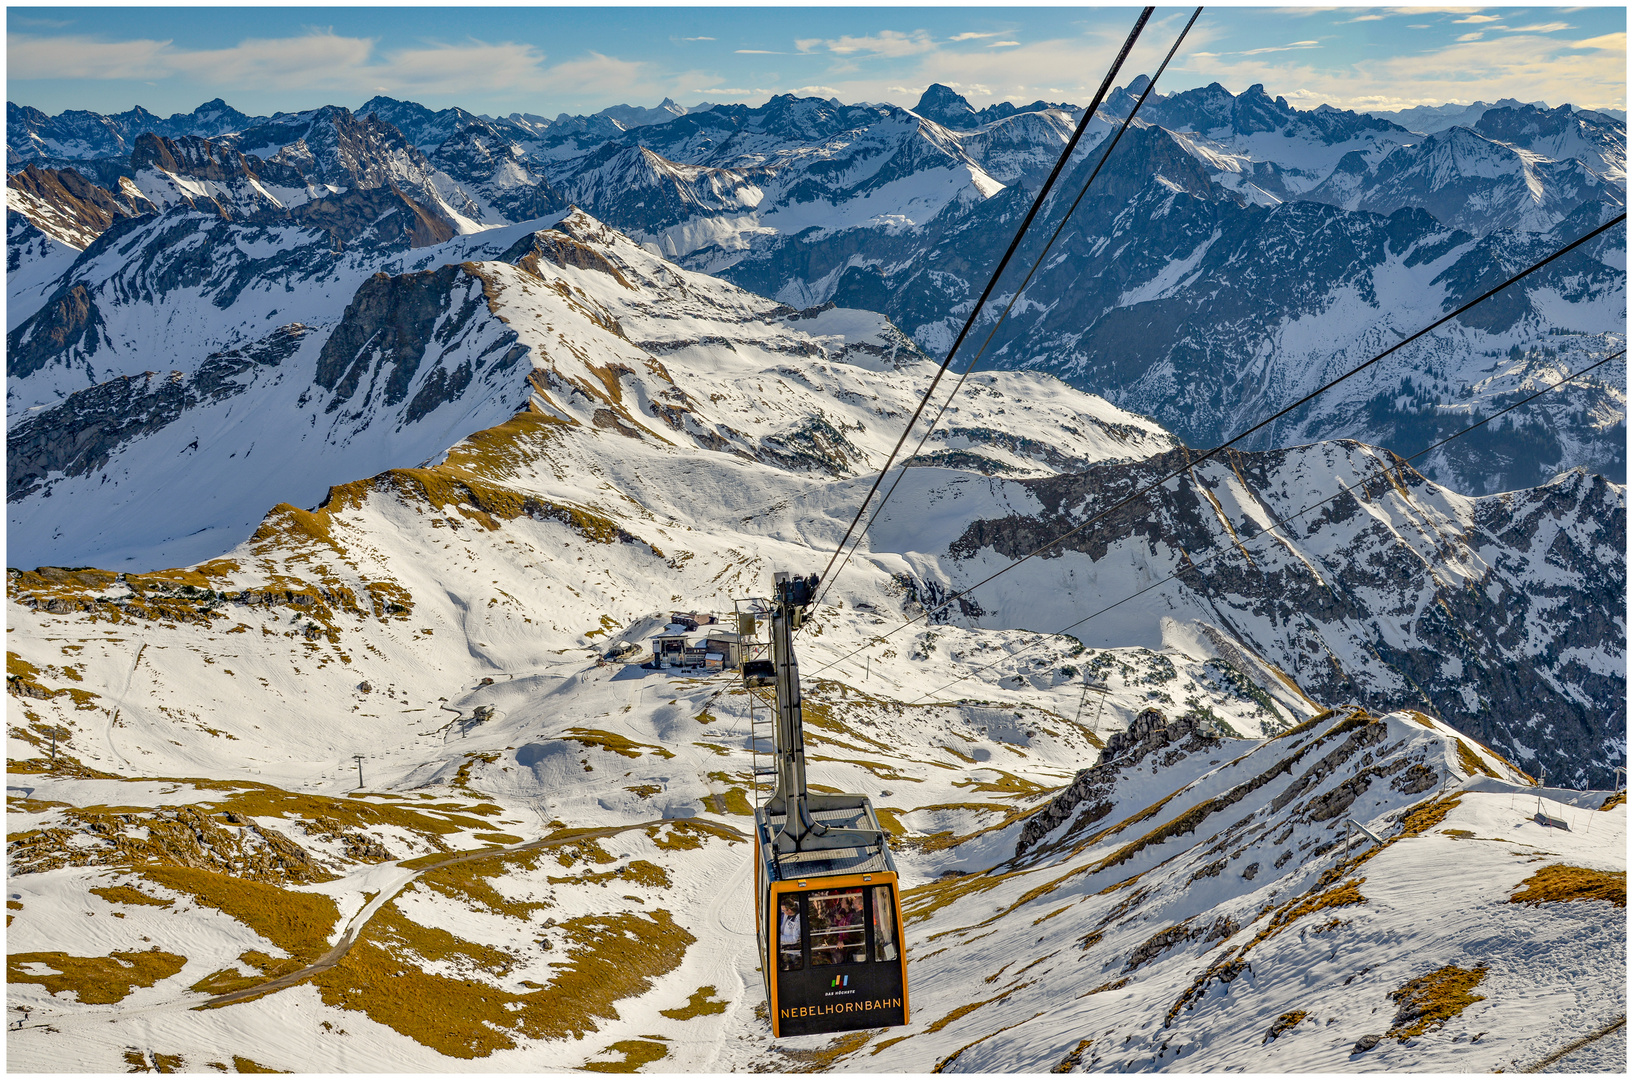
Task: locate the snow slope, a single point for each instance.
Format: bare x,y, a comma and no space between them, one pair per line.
580,318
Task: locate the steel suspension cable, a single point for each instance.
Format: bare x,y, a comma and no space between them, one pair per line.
828,580
1273,526
975,312
1210,454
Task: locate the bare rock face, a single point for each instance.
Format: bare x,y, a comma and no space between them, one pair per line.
1087,798
1352,610
65,205
391,324
77,437
182,836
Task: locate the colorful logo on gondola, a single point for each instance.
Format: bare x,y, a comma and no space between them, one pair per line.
840,980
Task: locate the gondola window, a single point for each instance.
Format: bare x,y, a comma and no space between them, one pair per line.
837,927
884,925
790,957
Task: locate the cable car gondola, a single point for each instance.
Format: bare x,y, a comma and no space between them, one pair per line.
826,893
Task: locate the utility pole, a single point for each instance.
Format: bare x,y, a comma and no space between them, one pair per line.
359,759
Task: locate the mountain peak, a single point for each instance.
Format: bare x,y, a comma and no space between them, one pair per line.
947,106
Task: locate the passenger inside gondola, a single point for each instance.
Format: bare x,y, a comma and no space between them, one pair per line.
837,930
789,957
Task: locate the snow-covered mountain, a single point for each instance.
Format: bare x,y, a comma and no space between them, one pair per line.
1263,147
404,477
595,331
1207,314
1405,596
1428,119
69,208
77,134
812,201
1473,183
422,356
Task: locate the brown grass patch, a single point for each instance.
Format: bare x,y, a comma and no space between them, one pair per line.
923,901
245,1065
124,894
1472,765
609,957
1103,987
882,771
683,834
498,838
1618,799
733,801
495,453
637,1052
1338,896
151,1061
230,980
1006,784
820,1060
96,980
1560,883
1284,1023
1299,729
699,1004
965,1010
1428,1001
1074,1058
941,1066
296,922
613,743
1427,816
467,883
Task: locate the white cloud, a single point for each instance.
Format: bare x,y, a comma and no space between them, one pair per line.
970,35
75,57
757,52
1591,73
887,43
697,39
324,61
1536,28
1002,44
451,68
1478,19
1279,48
1363,18
1612,43
1475,36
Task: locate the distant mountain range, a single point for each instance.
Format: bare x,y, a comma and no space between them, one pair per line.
1237,251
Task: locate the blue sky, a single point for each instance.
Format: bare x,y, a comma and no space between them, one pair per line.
552,60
